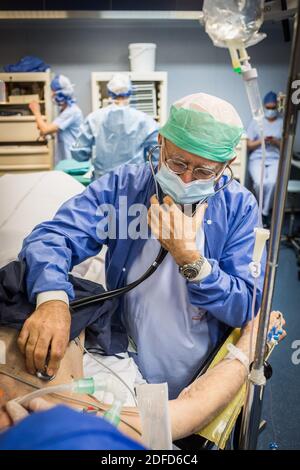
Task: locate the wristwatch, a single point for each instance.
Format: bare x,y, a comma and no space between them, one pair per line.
192,270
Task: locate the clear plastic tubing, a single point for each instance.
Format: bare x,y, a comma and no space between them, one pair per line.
113,414
86,385
252,89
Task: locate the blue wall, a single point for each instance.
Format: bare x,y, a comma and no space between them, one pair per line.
184,51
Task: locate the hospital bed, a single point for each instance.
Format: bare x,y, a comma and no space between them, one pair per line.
28,199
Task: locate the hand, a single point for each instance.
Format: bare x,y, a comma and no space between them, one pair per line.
276,319
34,107
17,412
272,141
47,329
175,230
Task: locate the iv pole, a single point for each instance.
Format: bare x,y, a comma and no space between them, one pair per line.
256,383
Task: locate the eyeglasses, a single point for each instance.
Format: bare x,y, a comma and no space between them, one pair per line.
178,167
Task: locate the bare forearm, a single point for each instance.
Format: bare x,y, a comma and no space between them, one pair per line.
206,398
253,144
211,393
43,126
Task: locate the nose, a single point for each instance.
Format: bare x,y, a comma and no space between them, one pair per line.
187,176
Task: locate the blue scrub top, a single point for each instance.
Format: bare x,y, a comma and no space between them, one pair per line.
271,128
78,231
68,122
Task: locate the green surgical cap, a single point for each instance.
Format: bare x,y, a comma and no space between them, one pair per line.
201,134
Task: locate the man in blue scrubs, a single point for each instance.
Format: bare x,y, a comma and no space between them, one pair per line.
67,124
177,315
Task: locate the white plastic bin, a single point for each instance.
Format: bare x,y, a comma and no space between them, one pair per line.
142,57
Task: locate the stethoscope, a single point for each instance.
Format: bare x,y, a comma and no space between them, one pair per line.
94,299
76,304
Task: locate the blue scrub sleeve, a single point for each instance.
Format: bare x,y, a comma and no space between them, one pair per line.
65,119
228,295
82,149
252,131
54,247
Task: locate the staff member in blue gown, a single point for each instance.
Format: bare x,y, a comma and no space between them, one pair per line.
273,124
67,124
116,134
173,318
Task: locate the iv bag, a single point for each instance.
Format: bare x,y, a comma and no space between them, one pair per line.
233,21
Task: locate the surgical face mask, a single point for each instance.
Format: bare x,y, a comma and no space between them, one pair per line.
56,101
184,193
60,98
271,113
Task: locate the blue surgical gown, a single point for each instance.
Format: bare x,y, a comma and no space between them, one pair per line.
68,121
79,229
115,135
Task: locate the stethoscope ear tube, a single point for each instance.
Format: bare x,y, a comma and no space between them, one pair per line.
76,304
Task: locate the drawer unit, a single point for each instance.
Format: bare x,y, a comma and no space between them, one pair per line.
22,158
18,129
21,147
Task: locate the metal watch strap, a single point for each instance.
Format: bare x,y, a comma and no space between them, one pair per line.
191,270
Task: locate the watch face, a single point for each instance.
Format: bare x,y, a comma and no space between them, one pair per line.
190,272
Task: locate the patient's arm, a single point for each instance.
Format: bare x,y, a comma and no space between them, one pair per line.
195,407
208,395
206,398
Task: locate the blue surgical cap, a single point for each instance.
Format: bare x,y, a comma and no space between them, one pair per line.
63,88
270,97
